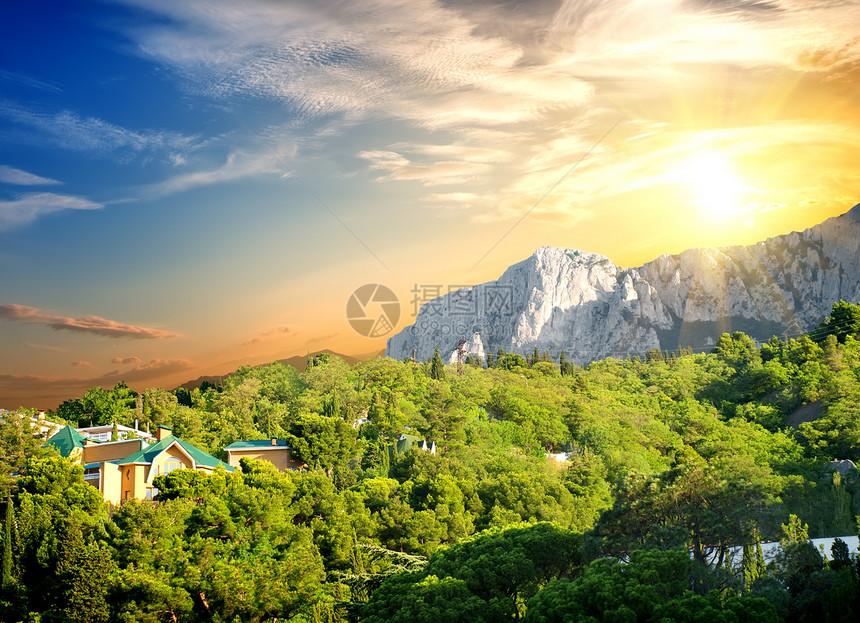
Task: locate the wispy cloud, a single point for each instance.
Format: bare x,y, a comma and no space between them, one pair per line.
82,364
96,137
88,324
11,175
238,165
398,167
269,334
489,80
28,81
321,339
27,208
126,361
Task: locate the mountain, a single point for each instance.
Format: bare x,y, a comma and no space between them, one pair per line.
584,304
299,362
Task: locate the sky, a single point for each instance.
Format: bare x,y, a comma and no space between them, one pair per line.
187,187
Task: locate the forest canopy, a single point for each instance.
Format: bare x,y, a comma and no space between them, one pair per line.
633,489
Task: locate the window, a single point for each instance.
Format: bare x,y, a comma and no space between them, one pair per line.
169,465
151,492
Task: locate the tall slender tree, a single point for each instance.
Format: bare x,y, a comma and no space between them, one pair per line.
437,368
6,566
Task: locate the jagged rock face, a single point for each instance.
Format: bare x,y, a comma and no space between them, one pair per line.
582,303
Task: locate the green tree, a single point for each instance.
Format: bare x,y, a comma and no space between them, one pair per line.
753,565
18,443
652,586
83,574
437,368
843,321
6,577
322,440
493,573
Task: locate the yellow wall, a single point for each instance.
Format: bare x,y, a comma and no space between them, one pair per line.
111,482
279,457
133,482
173,452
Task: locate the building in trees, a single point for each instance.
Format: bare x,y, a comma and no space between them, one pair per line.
275,451
69,442
104,433
406,442
167,454
125,469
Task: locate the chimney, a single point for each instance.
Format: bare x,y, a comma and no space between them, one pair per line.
274,441
161,432
135,423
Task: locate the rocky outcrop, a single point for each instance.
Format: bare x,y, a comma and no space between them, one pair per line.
583,303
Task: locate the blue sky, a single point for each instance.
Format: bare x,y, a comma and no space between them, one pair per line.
189,186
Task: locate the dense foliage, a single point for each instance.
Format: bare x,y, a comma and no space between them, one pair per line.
674,467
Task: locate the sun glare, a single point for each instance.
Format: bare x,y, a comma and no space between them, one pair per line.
716,189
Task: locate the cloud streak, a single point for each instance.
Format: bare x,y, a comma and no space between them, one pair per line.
68,130
503,92
126,361
11,175
27,208
269,334
88,324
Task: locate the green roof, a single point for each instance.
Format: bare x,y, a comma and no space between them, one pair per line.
405,443
66,440
256,444
148,454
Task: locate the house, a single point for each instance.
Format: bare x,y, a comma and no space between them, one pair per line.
125,469
168,453
406,442
275,451
69,442
104,433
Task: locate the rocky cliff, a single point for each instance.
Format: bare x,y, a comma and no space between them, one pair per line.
583,303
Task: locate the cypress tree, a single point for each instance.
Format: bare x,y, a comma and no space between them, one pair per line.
6,567
489,359
562,362
437,368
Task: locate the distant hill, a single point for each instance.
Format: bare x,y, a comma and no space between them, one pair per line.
299,362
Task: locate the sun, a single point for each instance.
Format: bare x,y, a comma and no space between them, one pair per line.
716,189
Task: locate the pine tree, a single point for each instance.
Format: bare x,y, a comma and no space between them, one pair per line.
562,362
489,359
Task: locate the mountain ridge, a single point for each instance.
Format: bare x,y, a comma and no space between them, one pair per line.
299,362
581,302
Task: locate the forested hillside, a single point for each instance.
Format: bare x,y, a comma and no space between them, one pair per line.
671,461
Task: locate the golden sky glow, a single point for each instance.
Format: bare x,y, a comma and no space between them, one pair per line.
190,186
